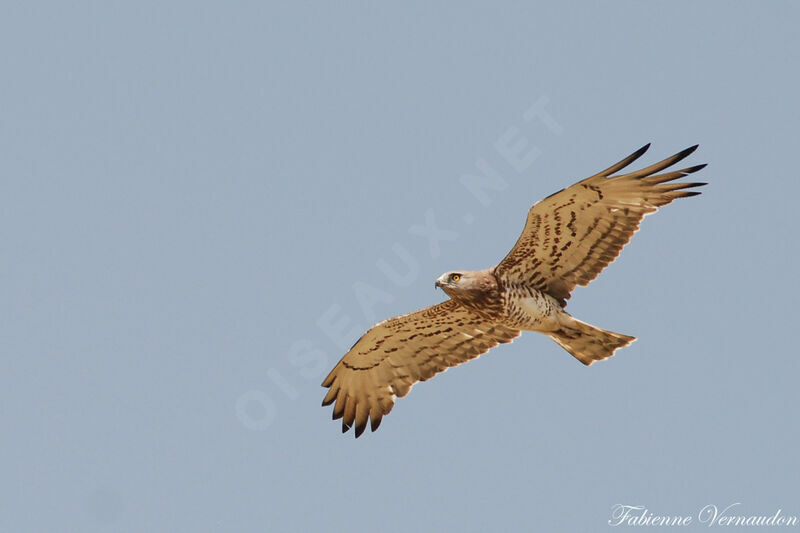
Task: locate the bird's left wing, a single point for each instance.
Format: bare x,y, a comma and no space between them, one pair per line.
572,235
398,352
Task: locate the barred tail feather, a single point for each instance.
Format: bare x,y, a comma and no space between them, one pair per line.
588,343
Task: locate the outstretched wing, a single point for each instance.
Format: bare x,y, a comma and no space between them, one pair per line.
398,352
572,235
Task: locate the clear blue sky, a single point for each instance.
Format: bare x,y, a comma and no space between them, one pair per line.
192,192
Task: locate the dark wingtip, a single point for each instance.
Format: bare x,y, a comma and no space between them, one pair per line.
668,162
695,184
686,152
638,153
695,168
360,429
617,166
326,404
345,427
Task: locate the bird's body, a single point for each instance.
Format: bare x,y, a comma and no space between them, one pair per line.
569,237
530,309
521,306
518,306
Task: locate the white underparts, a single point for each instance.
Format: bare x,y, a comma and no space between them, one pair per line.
538,312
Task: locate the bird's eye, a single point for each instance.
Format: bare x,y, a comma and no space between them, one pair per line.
455,277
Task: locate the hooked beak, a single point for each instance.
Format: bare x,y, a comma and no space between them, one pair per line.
438,284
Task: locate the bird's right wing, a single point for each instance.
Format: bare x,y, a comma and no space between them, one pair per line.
398,352
572,235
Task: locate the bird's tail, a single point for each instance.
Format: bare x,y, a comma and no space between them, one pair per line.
588,343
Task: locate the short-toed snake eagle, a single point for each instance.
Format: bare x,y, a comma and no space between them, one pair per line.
568,238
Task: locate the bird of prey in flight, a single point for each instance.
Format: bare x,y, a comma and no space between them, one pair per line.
568,239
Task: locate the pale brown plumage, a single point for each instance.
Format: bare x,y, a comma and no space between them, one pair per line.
568,239
583,228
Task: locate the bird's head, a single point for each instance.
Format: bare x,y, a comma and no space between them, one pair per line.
449,281
462,284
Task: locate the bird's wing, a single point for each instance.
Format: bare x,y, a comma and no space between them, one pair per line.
398,352
572,235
